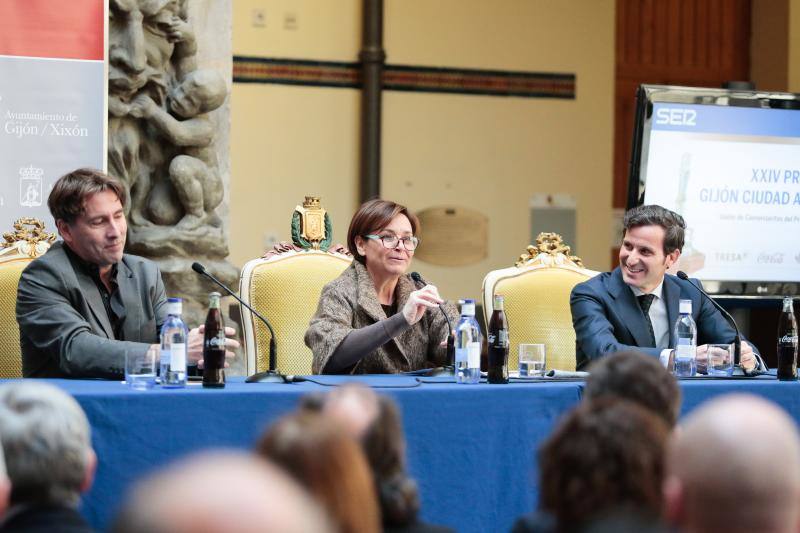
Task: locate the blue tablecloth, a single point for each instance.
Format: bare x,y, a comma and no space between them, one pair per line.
471,448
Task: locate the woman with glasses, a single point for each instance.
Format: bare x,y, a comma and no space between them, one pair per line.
373,318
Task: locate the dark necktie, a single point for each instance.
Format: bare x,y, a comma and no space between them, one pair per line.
645,301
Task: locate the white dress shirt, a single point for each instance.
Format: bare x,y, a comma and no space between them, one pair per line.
658,315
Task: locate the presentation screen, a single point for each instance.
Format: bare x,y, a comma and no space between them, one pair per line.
729,163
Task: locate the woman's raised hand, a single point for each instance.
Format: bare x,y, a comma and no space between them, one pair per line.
419,301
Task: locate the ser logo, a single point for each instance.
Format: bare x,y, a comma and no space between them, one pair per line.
676,116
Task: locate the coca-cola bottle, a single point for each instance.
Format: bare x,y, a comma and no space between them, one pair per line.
787,342
214,345
498,343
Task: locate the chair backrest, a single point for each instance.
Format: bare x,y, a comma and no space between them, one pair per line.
20,247
285,289
536,292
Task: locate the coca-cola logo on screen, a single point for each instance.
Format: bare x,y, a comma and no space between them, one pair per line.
770,259
788,339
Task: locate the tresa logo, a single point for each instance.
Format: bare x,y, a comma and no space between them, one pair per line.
730,257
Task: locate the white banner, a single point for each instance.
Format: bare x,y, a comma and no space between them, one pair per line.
53,99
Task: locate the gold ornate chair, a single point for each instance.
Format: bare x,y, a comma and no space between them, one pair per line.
284,286
536,292
27,242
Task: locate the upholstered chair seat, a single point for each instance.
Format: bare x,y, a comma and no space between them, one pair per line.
536,292
285,288
27,242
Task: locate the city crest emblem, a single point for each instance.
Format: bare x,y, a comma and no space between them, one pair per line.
311,225
30,186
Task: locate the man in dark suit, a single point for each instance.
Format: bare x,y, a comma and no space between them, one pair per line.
636,304
83,304
46,440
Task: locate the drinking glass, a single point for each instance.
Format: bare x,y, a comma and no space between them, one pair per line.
140,368
720,360
531,360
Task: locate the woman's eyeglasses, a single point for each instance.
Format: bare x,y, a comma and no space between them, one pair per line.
390,241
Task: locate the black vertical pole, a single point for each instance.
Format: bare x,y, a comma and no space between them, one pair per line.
372,58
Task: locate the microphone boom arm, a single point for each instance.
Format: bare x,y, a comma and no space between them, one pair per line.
451,340
737,340
200,269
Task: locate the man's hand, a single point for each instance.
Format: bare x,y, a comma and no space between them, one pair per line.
701,358
419,301
194,352
747,358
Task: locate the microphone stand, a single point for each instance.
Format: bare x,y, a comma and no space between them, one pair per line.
737,340
448,370
268,376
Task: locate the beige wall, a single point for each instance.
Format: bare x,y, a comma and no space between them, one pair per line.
290,141
794,46
489,153
493,153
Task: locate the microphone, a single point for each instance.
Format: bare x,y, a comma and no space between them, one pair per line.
268,376
451,340
737,341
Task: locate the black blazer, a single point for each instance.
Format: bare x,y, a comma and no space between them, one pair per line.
45,519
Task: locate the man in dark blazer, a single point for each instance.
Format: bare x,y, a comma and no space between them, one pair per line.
636,304
83,304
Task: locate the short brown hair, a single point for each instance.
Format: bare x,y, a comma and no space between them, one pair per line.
639,378
68,198
655,215
385,448
605,456
329,463
372,216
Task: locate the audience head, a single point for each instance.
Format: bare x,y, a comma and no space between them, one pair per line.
354,407
89,209
385,447
47,445
605,457
376,422
627,522
220,492
639,378
734,465
329,463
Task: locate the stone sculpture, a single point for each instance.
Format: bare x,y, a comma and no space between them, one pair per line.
163,143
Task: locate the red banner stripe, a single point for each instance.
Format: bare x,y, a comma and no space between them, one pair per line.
52,28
